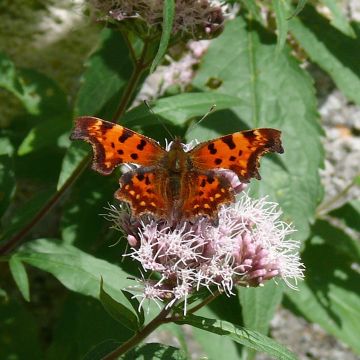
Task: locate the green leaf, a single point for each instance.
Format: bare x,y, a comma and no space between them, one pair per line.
212,345
117,310
75,269
75,155
7,174
334,52
330,294
12,81
81,223
45,134
253,9
24,215
99,351
259,305
154,351
338,18
19,333
167,26
107,73
349,213
281,22
81,323
246,337
19,274
38,94
139,310
299,7
273,91
179,108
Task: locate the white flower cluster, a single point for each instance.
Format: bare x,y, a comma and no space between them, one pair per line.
248,247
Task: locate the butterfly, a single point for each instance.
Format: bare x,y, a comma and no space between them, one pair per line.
187,184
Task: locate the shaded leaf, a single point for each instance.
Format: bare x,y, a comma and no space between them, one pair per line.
330,294
45,133
246,337
334,52
13,82
259,305
167,26
19,274
154,351
117,310
7,174
24,214
19,333
273,91
75,269
81,323
99,351
139,310
107,72
75,154
349,213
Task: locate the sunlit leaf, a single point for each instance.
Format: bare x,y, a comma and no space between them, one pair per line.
246,337
167,26
19,274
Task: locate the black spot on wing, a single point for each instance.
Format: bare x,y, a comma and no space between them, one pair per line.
141,145
125,135
228,140
140,177
249,134
218,161
134,156
120,152
105,127
240,152
147,180
112,145
232,158
210,179
203,183
211,148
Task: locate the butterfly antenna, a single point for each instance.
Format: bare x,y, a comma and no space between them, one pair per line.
160,121
196,123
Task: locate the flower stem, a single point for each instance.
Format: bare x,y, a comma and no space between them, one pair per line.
139,336
139,67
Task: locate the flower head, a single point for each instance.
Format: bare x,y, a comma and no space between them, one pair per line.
193,19
248,247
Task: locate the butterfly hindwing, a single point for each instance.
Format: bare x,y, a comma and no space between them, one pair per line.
114,144
239,152
145,189
203,193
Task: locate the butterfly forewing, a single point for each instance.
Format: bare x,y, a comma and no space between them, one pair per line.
239,152
114,144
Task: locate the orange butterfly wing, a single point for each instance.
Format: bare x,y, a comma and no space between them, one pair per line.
239,152
114,144
146,190
203,193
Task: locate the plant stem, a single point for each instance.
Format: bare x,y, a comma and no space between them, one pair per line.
325,207
142,334
139,67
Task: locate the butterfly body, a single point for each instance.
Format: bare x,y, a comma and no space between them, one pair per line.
175,183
